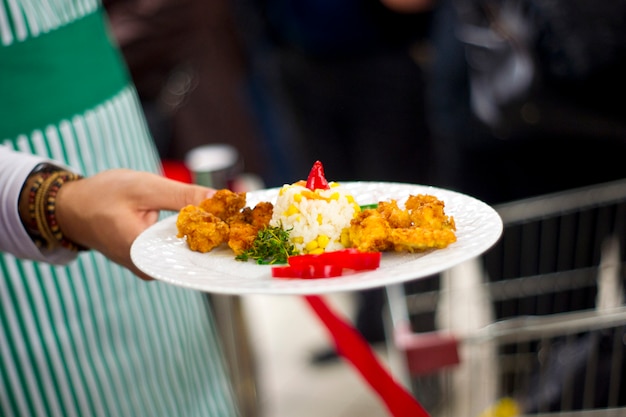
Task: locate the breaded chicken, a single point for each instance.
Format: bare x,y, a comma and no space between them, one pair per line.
369,232
224,204
262,214
422,225
244,216
241,236
419,239
223,218
428,211
396,216
202,230
245,226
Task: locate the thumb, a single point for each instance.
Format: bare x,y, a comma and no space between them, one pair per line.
167,194
192,194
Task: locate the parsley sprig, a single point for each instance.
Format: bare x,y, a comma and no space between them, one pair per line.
271,246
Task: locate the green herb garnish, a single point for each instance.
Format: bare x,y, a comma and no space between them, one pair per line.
271,246
369,206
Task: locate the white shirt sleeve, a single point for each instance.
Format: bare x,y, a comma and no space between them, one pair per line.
14,239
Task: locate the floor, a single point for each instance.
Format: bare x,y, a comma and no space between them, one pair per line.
285,333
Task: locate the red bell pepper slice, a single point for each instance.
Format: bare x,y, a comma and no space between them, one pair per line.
317,179
307,271
345,258
328,264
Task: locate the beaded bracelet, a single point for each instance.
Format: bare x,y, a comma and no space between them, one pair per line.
42,223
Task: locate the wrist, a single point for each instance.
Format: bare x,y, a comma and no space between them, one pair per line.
37,206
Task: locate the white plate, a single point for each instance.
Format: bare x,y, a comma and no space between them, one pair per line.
163,256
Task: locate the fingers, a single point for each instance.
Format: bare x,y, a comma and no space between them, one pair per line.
167,194
147,191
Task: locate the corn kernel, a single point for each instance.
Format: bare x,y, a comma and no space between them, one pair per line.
322,241
291,210
311,246
297,239
297,198
317,251
308,194
334,196
350,198
344,238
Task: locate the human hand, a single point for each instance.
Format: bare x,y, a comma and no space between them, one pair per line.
107,211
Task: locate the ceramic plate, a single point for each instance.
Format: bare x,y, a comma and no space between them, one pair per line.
163,256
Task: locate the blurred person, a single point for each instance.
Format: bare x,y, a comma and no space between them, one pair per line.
520,93
81,334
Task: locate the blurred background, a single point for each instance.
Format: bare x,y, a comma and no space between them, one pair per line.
514,102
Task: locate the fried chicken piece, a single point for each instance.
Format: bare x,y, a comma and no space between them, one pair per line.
418,239
369,232
428,211
202,230
241,237
223,218
224,204
244,216
397,217
262,214
245,226
420,226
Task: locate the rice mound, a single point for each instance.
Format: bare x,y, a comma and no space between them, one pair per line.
318,220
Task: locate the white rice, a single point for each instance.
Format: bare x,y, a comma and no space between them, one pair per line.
316,223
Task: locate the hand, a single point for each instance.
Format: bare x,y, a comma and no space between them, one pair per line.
107,211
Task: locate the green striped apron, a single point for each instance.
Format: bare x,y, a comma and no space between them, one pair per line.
89,338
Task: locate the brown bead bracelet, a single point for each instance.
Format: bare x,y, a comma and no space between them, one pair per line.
42,225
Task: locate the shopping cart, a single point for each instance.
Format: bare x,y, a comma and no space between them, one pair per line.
536,326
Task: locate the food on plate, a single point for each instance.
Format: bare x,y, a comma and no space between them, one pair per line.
223,218
224,204
328,264
270,246
318,219
203,230
316,227
422,224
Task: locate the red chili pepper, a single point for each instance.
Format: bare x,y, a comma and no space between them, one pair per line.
316,179
328,264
